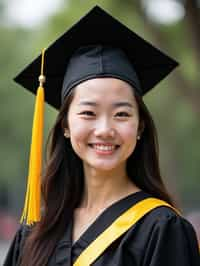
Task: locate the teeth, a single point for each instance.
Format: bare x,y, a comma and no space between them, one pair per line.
104,147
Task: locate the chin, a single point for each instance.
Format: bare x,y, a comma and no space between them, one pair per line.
104,166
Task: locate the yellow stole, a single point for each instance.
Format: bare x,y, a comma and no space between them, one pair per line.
117,228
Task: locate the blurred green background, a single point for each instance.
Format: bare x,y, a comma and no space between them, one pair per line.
174,103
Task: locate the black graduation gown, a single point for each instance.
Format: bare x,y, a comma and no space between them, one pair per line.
160,238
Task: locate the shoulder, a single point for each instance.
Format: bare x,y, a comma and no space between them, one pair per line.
21,235
163,216
162,213
161,221
16,246
156,215
167,238
156,212
166,224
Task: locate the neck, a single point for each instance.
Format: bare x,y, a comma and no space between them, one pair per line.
105,187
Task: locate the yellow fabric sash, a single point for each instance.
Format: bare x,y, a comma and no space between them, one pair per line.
117,228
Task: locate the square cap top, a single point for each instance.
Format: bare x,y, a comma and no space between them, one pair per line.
96,27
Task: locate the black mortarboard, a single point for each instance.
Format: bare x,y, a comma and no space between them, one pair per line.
96,46
97,28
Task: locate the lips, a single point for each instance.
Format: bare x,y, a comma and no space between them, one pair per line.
103,147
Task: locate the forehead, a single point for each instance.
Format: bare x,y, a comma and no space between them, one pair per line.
105,90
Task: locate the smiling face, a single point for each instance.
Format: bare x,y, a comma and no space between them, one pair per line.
103,123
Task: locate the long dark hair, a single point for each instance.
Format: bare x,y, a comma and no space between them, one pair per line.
63,182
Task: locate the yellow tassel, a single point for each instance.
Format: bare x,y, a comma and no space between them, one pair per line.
31,212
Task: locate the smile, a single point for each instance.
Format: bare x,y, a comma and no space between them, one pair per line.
102,147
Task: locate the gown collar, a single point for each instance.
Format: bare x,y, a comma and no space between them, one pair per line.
103,220
67,252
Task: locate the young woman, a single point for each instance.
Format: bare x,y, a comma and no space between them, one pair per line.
104,201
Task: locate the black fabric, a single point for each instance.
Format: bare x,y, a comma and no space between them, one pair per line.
160,238
97,27
96,61
14,253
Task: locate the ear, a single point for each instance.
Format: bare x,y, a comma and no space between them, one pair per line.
66,133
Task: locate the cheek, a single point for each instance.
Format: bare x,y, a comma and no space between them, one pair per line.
78,131
129,138
129,132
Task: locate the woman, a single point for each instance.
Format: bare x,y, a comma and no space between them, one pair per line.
102,170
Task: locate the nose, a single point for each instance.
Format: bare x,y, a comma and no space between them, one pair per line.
104,129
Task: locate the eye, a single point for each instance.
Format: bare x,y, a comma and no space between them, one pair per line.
122,114
87,113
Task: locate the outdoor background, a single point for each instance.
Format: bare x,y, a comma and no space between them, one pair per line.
26,26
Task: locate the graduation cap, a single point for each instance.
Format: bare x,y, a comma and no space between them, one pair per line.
97,45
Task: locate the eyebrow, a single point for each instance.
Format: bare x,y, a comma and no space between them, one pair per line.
116,104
